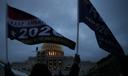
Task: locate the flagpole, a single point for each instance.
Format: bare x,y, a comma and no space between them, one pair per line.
6,32
77,40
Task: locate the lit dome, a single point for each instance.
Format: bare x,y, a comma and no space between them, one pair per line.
51,49
51,46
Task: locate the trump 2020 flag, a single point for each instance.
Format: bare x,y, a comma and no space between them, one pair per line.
105,38
31,30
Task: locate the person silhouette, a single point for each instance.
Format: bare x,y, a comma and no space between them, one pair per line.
74,71
60,73
8,71
40,69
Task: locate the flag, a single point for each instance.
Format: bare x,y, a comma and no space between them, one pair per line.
30,30
105,38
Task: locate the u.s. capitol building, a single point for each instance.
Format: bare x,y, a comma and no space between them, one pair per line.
52,55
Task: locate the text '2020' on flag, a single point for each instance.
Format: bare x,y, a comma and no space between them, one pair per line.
105,38
31,30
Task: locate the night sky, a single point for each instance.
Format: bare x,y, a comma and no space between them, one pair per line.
62,16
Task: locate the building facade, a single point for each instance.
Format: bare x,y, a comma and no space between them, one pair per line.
53,56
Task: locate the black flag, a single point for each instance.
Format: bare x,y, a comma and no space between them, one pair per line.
31,30
105,38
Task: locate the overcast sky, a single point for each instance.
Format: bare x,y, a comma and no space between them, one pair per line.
62,16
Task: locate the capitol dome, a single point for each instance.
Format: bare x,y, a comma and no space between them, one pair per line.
52,49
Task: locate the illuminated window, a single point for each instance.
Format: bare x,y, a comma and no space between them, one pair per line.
49,53
53,53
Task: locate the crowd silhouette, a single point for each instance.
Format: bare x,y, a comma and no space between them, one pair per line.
41,69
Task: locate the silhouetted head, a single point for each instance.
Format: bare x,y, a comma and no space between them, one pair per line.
76,59
8,71
40,70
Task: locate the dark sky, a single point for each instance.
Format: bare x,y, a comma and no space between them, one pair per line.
62,16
